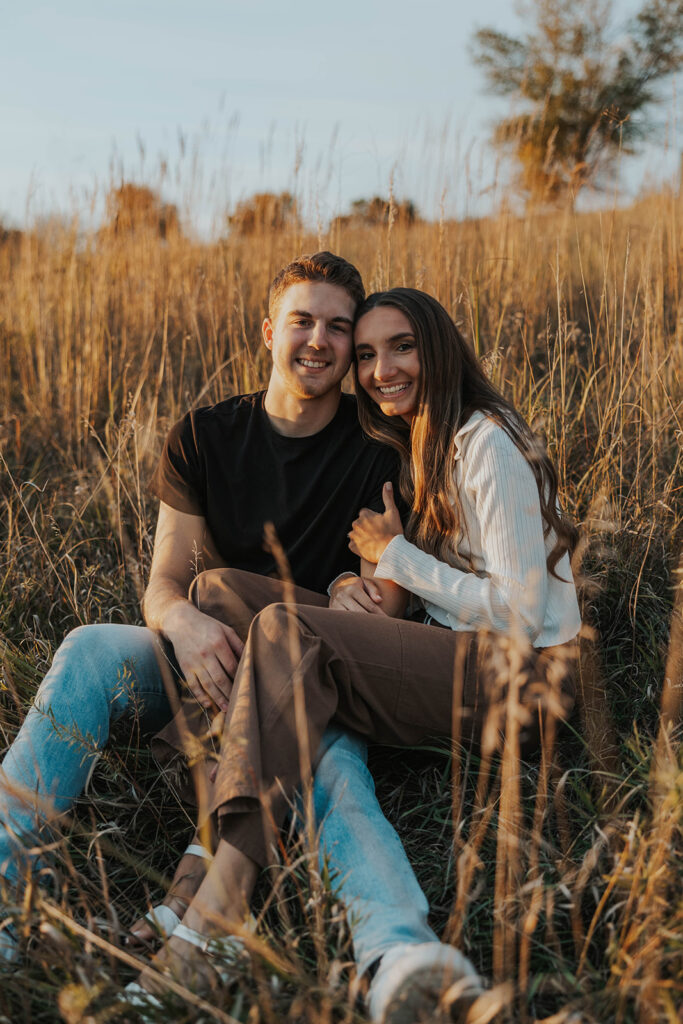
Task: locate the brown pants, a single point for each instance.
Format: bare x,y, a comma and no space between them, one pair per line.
390,680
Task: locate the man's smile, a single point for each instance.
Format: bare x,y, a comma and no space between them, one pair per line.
313,364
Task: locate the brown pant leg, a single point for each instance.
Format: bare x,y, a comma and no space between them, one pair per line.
234,596
389,680
349,667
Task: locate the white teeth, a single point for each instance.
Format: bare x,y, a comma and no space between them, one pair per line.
393,389
312,363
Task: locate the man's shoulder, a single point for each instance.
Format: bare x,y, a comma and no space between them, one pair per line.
225,415
234,408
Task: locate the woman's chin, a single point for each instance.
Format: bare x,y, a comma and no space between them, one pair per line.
404,410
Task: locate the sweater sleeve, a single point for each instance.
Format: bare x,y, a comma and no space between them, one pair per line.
511,590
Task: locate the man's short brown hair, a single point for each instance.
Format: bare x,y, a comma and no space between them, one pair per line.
320,266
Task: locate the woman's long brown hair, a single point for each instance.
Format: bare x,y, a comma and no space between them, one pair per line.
452,386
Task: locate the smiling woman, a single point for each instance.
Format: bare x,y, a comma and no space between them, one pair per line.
388,364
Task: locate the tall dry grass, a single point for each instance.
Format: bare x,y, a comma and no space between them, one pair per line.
561,881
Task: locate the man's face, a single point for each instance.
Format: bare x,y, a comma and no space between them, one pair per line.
310,338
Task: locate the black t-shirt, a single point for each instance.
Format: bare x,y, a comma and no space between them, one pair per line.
226,463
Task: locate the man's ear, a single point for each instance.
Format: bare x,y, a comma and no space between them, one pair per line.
267,332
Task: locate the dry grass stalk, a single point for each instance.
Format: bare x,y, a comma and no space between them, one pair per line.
107,337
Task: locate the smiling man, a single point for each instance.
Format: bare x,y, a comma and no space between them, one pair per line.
292,455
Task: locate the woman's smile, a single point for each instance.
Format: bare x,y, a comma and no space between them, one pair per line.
388,361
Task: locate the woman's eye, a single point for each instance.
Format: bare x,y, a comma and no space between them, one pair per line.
362,357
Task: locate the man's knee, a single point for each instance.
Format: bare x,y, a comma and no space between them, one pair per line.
101,660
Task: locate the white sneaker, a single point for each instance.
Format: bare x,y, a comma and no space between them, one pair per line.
428,981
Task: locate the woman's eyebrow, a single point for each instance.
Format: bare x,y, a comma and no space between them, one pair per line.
394,337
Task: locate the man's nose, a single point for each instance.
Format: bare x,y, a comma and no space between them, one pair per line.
318,336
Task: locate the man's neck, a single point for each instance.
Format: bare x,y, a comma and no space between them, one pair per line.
299,417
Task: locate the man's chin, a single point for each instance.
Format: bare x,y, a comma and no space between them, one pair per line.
317,388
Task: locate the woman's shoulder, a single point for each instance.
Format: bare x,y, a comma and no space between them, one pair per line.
479,433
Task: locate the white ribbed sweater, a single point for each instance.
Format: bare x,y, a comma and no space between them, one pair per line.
512,588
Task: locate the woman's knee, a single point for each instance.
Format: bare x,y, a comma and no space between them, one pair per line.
277,622
227,579
233,596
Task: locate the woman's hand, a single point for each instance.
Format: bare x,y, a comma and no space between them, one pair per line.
372,531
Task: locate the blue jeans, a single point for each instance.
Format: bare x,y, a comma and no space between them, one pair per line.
101,673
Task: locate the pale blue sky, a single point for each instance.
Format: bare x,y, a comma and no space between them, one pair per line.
325,99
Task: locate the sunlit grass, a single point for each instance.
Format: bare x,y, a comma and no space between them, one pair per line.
106,339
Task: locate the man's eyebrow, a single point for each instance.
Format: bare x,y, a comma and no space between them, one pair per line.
306,315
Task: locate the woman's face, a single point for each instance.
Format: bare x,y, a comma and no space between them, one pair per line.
388,361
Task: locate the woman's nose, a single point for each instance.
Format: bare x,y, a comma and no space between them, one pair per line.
384,367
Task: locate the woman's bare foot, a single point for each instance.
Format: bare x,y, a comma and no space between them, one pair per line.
198,956
188,877
186,964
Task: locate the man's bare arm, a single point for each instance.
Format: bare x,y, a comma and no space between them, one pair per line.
207,651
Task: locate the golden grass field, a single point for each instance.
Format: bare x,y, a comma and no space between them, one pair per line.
568,885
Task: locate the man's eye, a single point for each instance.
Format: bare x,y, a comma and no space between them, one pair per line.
339,328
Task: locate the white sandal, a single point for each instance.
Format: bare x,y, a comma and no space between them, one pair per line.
222,954
141,1000
162,918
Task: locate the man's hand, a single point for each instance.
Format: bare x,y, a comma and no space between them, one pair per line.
207,651
355,594
372,531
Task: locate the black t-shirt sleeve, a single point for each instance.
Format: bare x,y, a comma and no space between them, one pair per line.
177,478
387,468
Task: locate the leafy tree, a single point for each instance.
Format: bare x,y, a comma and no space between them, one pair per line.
264,211
136,208
584,84
378,211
